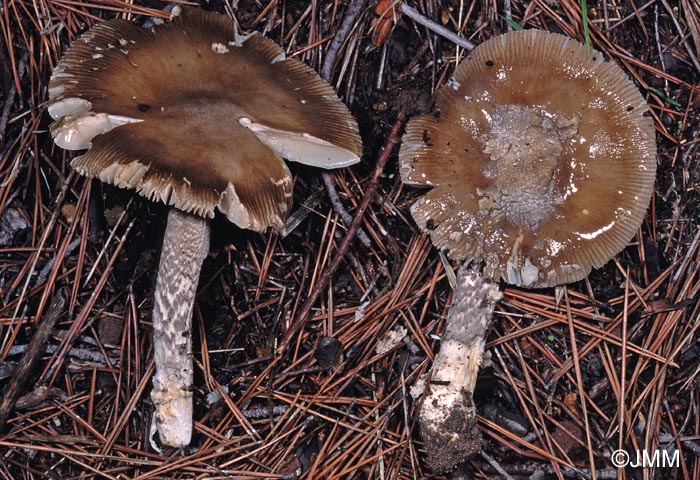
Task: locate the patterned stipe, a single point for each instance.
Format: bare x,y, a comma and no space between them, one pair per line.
185,246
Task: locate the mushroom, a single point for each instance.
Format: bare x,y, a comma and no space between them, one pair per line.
542,162
198,117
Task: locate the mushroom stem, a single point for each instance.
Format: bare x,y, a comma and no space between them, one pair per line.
185,245
448,415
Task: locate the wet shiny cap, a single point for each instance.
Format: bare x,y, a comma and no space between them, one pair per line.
541,159
196,116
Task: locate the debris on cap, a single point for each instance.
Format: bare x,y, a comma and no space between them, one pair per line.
541,160
196,116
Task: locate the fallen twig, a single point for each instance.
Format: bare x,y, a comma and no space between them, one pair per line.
413,14
351,15
328,272
338,206
26,364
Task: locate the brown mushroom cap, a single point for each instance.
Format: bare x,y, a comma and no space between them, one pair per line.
541,159
196,116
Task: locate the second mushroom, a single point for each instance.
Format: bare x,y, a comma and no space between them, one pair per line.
195,116
542,164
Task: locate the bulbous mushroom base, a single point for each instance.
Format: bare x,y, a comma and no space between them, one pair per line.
448,416
173,412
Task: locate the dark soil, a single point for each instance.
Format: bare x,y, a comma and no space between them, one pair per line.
608,363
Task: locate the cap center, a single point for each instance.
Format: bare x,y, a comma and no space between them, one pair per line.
524,146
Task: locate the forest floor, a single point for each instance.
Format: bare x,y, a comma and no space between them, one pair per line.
612,365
